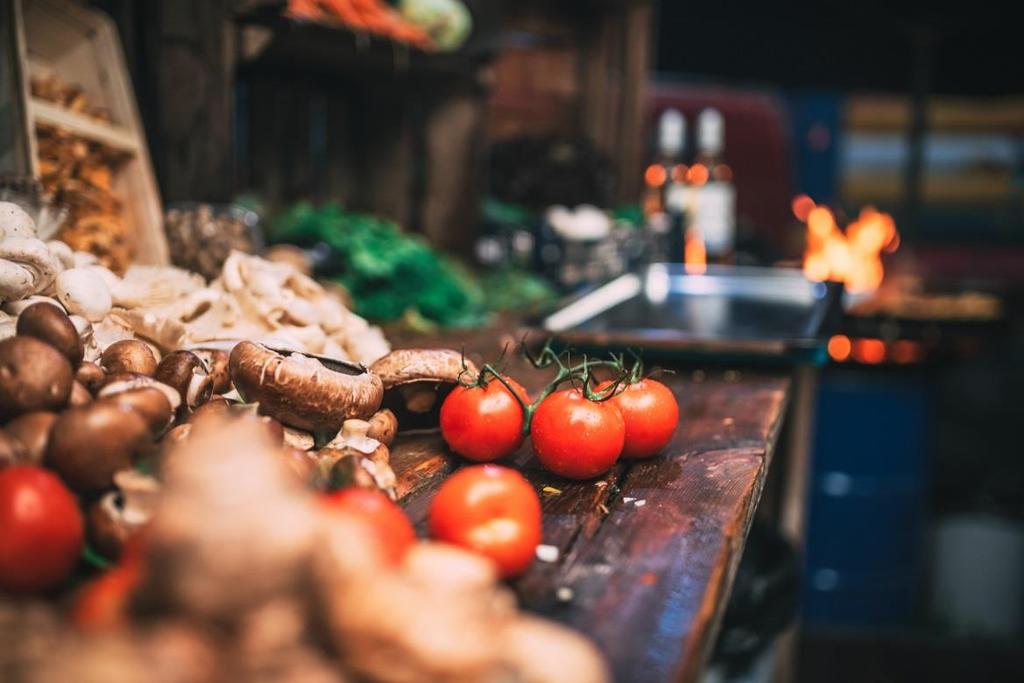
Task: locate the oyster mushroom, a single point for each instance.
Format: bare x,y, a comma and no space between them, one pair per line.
120,514
186,373
33,376
303,391
50,324
84,292
216,361
129,355
416,382
32,432
89,444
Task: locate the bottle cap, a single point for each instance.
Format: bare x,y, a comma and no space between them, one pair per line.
671,132
710,131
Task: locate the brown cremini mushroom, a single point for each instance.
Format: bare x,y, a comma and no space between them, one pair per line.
80,396
129,355
149,402
302,391
185,372
217,404
216,361
126,381
89,444
91,376
32,432
120,514
11,450
33,376
416,382
50,324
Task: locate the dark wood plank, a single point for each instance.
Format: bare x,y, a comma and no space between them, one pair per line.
646,554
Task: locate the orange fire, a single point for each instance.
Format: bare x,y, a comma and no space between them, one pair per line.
852,257
695,255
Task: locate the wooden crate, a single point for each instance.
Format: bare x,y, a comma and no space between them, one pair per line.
82,46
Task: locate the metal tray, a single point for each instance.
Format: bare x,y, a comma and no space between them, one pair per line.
727,312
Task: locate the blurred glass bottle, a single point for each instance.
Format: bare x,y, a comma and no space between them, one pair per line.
710,195
664,200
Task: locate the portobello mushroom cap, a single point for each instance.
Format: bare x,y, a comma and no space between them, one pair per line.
51,324
416,382
301,391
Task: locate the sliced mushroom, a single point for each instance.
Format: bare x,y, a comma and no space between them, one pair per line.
416,382
33,376
125,381
129,355
120,514
91,376
185,372
89,444
301,390
32,431
217,366
383,427
50,324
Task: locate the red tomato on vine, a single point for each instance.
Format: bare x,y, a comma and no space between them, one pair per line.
576,437
651,414
484,423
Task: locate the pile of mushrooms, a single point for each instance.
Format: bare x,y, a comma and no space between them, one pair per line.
257,582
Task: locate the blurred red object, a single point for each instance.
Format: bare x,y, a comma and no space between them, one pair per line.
371,16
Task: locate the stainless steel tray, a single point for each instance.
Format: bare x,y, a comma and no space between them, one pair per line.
727,311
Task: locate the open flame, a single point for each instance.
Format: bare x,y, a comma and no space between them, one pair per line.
853,257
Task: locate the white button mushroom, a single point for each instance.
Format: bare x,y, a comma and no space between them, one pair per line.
83,292
26,267
15,222
63,253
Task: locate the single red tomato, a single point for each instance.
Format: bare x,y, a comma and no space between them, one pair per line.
483,423
41,530
651,414
491,510
575,437
103,602
384,517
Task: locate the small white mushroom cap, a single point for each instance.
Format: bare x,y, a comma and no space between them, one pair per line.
15,222
84,258
83,292
111,280
63,252
16,307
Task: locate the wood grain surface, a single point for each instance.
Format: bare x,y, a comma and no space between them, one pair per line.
646,553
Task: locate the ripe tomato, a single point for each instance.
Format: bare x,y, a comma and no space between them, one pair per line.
651,414
483,423
41,530
388,522
575,437
491,510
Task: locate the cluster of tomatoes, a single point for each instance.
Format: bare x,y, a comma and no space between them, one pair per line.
577,433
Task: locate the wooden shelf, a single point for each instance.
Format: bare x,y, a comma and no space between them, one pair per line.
115,137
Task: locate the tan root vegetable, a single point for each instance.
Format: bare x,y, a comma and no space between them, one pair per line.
33,376
301,391
416,382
